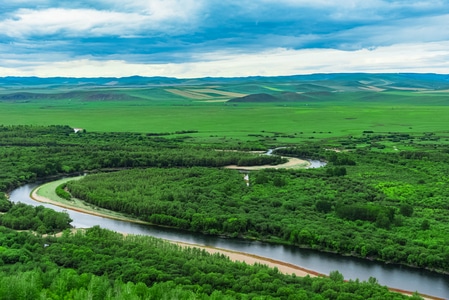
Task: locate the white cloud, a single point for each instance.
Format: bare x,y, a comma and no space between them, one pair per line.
397,58
360,4
157,16
332,5
429,57
362,10
221,38
160,10
408,30
72,22
28,2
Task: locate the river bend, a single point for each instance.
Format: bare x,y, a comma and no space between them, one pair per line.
394,276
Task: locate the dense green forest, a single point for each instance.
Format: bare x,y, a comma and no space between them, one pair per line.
367,202
40,219
399,215
100,264
28,153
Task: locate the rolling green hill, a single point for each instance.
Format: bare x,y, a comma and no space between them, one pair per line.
302,107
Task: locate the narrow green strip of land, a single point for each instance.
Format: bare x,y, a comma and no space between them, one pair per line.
46,193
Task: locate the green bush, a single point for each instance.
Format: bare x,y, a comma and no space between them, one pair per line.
61,192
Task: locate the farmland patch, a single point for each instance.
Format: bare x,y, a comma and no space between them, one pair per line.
218,92
188,94
371,88
205,94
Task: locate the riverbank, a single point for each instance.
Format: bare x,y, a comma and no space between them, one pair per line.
293,163
233,255
46,194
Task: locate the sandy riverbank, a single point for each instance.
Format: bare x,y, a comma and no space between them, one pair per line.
293,163
251,259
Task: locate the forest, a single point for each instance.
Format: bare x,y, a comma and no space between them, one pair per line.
390,206
28,153
101,264
398,216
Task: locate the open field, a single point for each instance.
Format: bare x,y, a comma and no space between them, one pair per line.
205,94
189,94
306,121
304,110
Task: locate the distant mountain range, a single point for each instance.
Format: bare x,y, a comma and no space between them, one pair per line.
404,80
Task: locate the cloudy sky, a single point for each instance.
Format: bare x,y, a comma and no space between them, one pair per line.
198,38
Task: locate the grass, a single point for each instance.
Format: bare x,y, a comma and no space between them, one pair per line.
157,109
48,190
212,118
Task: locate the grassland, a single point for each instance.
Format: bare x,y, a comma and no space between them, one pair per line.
328,108
208,94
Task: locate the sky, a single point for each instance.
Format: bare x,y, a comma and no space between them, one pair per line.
222,38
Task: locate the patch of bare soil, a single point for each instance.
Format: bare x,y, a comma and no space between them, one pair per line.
293,163
251,259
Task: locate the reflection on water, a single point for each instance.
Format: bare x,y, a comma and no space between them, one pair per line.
313,163
392,275
316,164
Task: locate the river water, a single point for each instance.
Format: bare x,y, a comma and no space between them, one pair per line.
391,275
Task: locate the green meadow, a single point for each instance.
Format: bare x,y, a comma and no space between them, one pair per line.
302,110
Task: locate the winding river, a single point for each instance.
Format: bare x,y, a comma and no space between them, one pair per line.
400,277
